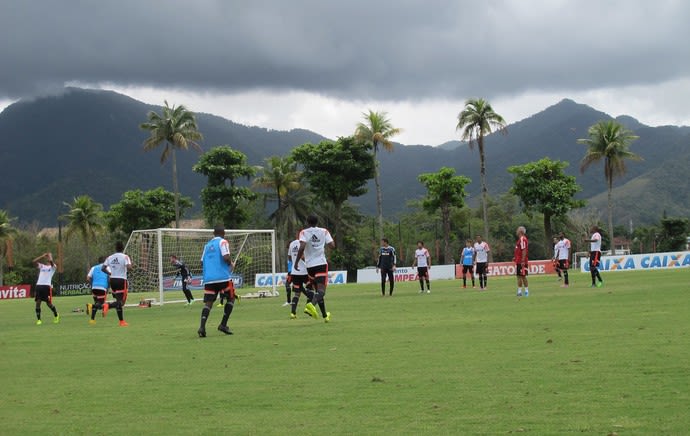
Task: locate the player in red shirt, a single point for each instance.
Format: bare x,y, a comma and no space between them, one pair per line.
520,257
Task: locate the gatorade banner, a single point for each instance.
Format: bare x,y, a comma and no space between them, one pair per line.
508,268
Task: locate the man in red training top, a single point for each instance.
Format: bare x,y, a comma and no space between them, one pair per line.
520,257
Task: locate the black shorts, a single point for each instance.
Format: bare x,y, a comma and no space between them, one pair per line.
118,285
423,271
319,274
211,291
481,268
594,258
520,271
44,293
563,264
298,281
288,279
98,294
468,269
121,297
119,288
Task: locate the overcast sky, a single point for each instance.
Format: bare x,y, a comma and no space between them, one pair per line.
318,64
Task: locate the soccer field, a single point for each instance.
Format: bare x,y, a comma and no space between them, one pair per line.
614,360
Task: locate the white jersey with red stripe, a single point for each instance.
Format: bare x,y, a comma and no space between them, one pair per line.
563,249
315,239
118,263
292,251
422,254
45,274
595,245
482,251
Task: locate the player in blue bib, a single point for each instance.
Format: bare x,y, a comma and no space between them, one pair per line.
99,281
217,271
467,263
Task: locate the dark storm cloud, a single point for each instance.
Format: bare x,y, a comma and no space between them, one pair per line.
351,49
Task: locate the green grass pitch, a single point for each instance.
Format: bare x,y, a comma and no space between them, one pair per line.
614,360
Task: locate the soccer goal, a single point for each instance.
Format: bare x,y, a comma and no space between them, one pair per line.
253,252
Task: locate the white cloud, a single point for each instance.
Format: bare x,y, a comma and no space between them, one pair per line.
428,122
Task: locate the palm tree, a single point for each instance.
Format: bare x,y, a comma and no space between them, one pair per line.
376,131
6,231
296,206
608,141
177,128
477,120
85,217
281,176
283,180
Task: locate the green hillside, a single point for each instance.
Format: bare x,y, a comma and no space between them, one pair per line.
88,142
645,198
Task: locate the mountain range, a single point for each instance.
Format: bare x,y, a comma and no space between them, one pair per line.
88,142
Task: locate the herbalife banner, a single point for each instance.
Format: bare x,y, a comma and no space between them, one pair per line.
72,289
640,261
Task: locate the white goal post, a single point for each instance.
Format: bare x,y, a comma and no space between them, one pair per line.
253,251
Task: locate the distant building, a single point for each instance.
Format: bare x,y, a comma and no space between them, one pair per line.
622,244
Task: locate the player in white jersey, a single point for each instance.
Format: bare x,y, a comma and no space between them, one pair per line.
481,260
117,265
563,257
554,259
312,246
298,274
288,277
44,286
422,260
595,256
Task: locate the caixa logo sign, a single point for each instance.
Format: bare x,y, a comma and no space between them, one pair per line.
640,261
267,279
195,283
17,291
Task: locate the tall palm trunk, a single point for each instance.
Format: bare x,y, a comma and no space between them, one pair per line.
485,192
282,232
610,207
379,198
176,189
445,217
87,250
547,232
337,211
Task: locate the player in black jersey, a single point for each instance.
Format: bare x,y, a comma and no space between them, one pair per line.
386,265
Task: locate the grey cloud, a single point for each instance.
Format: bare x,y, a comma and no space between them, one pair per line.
349,49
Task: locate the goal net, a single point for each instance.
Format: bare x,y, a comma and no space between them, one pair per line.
253,252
